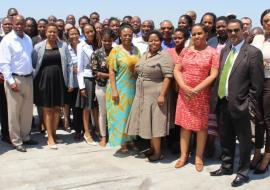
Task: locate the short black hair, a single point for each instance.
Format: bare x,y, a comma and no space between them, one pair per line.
94,13
222,18
60,20
236,21
158,33
128,17
108,32
200,25
188,18
112,19
10,10
263,14
84,17
184,31
123,26
43,20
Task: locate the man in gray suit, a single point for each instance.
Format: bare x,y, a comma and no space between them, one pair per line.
239,85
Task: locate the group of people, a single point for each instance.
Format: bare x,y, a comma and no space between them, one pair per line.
129,79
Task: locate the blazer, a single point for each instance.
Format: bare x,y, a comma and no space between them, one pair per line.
66,61
245,82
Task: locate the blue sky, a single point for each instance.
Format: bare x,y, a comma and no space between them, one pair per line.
157,10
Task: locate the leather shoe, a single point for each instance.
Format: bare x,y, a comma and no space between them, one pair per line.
30,142
239,180
221,172
20,148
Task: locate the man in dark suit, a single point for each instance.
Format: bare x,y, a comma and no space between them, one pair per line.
239,84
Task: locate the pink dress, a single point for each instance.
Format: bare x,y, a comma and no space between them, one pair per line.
173,54
196,65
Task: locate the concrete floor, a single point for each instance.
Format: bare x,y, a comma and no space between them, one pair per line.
78,166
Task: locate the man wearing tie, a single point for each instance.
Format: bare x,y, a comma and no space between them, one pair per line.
16,66
238,86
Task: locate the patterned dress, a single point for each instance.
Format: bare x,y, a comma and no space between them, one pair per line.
196,65
123,64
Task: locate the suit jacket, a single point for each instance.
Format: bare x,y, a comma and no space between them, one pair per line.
66,61
245,81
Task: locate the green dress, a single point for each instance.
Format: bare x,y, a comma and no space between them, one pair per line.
123,64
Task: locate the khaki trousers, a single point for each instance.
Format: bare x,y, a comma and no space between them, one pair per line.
101,97
20,109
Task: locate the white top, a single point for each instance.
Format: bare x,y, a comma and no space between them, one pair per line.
140,44
84,52
15,56
237,50
264,45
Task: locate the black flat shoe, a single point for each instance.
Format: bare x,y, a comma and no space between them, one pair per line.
221,172
20,148
239,180
155,159
148,153
30,142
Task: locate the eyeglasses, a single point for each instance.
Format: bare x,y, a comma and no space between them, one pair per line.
233,30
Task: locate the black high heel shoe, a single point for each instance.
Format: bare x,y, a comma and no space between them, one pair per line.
253,167
258,171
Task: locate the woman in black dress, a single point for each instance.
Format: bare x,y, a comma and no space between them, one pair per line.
52,62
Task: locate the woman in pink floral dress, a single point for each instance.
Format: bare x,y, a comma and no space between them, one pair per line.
195,72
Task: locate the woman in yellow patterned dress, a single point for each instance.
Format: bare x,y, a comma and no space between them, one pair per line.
121,88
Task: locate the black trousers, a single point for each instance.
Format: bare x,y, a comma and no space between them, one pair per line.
77,119
263,125
230,128
3,112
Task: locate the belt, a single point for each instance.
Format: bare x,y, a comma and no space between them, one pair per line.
15,74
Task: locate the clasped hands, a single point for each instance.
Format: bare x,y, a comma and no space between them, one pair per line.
189,92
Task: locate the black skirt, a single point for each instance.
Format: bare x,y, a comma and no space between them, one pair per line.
90,101
49,85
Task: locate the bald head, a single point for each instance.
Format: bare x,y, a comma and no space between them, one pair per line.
19,25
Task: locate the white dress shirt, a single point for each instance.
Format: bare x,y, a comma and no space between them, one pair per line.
237,50
15,56
84,52
140,44
264,45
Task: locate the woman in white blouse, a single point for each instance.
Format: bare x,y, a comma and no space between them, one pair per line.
86,80
260,162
